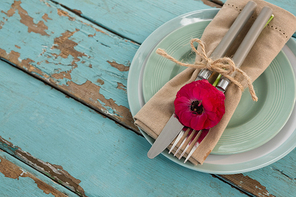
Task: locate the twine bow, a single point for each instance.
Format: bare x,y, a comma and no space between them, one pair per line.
224,66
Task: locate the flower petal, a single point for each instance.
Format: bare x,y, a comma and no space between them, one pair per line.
198,122
211,102
186,117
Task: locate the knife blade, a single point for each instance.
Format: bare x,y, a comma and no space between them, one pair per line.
262,20
172,125
170,132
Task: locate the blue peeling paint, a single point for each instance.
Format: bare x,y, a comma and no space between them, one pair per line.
23,186
98,49
106,157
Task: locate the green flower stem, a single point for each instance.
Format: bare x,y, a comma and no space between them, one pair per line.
272,16
217,80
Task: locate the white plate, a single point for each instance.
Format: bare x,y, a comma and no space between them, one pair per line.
283,143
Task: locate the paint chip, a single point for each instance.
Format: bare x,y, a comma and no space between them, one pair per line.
67,46
38,28
66,14
45,17
120,67
10,170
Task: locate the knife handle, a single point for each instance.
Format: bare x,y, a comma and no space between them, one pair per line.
234,30
247,43
230,36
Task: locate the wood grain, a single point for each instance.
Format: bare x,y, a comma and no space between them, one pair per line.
45,129
248,184
17,181
55,172
71,54
134,20
90,63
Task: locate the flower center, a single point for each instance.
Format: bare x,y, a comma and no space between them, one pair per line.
197,107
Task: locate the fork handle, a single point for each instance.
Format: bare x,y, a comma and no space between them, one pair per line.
247,43
230,36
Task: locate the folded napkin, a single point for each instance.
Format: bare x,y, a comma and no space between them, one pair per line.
156,112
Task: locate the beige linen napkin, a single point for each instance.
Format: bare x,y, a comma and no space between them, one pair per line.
157,111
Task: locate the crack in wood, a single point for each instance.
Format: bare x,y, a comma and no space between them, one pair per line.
14,57
77,12
284,174
247,184
10,170
63,41
66,48
91,93
218,2
212,3
94,22
64,13
53,171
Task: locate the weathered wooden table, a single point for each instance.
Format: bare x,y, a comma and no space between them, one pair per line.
65,124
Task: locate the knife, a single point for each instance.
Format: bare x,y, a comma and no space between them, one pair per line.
173,126
262,20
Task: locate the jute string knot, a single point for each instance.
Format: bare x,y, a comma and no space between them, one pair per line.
224,66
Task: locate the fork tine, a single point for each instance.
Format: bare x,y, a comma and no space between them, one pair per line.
188,139
192,151
178,139
193,140
185,141
187,134
203,134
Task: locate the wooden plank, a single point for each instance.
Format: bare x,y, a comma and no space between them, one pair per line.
84,150
68,56
18,179
68,52
281,176
131,19
277,179
89,9
122,14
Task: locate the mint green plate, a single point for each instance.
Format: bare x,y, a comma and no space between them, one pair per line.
273,150
253,123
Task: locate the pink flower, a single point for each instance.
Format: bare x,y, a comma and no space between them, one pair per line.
199,105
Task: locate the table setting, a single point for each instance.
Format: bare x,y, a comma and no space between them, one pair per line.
147,98
257,134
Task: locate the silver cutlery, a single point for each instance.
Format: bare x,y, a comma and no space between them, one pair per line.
238,58
173,127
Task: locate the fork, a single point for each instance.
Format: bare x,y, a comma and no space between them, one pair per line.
192,136
173,126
